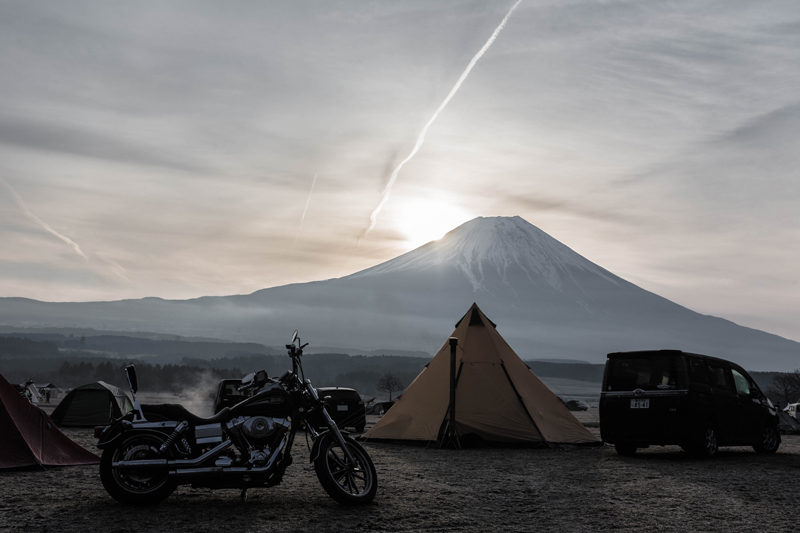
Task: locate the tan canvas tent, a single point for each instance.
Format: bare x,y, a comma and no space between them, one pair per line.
498,398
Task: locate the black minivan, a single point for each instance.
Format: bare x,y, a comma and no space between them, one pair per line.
673,397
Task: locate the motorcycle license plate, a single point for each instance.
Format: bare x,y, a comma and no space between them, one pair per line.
640,403
342,408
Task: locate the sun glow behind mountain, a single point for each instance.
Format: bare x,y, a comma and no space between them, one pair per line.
423,220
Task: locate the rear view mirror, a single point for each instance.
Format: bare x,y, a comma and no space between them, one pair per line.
130,374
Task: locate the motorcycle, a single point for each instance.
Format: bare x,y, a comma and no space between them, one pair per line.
151,450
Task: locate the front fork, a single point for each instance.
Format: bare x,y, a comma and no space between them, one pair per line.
331,424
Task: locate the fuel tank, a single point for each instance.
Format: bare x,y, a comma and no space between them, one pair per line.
271,400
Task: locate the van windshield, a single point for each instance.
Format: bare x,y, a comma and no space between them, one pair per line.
647,372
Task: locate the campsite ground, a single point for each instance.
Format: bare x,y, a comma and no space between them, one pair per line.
427,489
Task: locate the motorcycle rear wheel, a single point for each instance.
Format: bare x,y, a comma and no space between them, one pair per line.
145,486
348,484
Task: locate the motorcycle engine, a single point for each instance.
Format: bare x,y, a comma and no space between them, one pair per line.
258,427
256,436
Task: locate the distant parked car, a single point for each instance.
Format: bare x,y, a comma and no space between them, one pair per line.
380,408
673,397
345,406
577,405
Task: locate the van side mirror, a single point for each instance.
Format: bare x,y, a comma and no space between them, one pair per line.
130,374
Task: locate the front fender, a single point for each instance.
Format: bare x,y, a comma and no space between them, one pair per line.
321,438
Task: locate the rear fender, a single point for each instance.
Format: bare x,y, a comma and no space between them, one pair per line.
112,432
123,426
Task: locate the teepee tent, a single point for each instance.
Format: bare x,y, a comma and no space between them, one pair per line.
498,398
93,404
29,437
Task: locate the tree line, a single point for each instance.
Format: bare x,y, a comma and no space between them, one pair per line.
71,360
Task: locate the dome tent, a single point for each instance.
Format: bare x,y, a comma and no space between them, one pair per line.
93,404
498,397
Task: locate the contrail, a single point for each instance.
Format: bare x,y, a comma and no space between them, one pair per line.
305,209
115,268
387,190
41,223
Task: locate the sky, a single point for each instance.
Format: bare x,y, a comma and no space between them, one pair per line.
182,149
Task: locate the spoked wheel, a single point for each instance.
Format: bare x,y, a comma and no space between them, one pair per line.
349,483
768,441
137,486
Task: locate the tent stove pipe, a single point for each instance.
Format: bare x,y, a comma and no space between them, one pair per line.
450,437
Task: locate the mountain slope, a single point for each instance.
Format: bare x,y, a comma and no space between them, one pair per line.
548,302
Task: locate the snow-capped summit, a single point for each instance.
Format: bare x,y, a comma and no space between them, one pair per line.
487,249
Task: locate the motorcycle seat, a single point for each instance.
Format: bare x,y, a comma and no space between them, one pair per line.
174,411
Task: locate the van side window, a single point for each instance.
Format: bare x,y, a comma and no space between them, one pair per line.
741,382
698,371
720,377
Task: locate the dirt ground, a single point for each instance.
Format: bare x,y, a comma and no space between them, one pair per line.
428,489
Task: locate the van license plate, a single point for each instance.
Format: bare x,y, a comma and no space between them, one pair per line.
342,407
640,403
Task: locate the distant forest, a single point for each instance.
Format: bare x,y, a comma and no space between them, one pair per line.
173,364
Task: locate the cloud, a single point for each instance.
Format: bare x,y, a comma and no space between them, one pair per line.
51,136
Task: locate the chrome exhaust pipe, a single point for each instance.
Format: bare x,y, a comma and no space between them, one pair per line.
220,472
172,463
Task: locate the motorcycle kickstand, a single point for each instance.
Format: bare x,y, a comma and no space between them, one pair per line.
244,496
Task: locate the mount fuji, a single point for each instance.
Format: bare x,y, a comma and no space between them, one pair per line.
549,303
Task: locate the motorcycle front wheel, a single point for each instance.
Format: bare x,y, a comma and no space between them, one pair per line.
347,483
135,486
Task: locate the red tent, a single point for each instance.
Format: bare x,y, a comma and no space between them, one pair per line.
29,437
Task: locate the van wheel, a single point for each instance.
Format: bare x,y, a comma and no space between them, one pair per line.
768,441
625,449
705,444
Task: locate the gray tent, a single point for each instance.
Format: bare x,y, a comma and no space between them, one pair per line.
93,404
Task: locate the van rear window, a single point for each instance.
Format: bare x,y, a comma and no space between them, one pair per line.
647,372
340,395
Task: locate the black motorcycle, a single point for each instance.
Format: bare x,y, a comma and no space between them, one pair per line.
154,448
